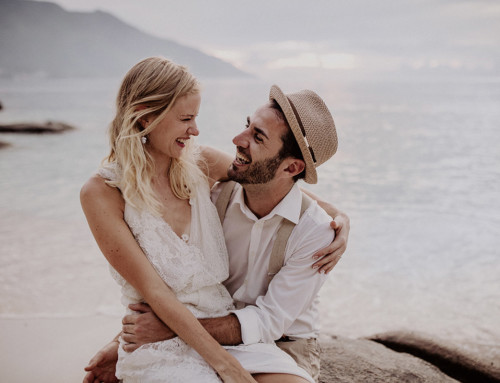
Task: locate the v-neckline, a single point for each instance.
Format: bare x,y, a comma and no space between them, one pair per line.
188,235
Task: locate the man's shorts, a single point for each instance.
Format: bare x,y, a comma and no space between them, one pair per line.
304,351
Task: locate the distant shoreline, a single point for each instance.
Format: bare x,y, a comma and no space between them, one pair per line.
36,128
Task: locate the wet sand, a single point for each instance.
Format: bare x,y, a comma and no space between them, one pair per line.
51,349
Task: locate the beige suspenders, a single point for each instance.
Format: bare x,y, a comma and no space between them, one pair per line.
224,197
277,257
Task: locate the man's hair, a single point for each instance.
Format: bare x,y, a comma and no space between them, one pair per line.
290,146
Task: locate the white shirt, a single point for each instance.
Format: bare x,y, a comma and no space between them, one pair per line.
289,306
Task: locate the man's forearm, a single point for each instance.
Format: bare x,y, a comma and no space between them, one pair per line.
225,330
146,327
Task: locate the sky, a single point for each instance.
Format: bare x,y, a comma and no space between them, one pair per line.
417,37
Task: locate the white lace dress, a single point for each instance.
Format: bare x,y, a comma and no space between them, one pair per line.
193,268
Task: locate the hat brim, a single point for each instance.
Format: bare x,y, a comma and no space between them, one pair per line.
277,94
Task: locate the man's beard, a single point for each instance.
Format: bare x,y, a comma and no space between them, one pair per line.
259,172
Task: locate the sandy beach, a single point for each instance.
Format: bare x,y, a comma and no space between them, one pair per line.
51,349
56,350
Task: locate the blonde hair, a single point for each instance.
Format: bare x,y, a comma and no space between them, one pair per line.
149,90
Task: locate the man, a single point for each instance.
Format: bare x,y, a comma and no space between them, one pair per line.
274,286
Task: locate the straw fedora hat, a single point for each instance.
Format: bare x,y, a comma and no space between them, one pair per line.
311,124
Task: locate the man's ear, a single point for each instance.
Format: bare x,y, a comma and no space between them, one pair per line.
295,166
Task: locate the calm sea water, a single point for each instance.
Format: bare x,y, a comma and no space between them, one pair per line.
418,171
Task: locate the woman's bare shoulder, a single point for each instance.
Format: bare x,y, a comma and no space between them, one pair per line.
96,191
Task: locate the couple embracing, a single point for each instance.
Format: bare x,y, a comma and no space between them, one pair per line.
205,302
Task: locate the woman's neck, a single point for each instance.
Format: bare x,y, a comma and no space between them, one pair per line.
162,166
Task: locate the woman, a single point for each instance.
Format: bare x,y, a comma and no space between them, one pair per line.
149,210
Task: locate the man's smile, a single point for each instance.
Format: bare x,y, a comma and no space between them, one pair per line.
242,159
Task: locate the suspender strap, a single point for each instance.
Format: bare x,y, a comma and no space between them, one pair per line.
223,200
277,257
278,253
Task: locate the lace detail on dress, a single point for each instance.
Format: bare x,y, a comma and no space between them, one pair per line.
195,269
170,361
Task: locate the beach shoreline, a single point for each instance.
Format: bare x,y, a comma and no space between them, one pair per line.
51,350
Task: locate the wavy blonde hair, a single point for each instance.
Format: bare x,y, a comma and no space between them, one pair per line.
149,91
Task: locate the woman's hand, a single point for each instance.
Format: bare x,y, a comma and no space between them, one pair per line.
102,367
236,374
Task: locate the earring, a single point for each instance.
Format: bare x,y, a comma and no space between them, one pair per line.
144,139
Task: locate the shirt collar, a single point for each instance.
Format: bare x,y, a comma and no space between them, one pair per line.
288,208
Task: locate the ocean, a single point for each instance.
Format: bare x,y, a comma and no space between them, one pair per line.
417,171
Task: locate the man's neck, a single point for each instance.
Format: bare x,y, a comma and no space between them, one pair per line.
261,199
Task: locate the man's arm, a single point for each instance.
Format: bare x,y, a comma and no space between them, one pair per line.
292,291
145,327
329,256
226,330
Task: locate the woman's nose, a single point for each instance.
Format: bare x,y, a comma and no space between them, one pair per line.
193,129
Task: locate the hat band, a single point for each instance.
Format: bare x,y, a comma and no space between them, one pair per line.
302,130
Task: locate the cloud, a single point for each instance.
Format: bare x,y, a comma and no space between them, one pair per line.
313,60
288,54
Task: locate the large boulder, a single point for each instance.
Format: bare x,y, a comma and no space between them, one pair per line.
452,360
346,360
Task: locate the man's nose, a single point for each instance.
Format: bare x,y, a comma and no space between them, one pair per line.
241,139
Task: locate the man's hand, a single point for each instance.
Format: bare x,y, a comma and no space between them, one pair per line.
102,366
331,254
143,327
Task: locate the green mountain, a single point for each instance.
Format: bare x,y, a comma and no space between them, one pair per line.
44,39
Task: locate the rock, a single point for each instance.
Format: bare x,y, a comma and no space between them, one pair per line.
37,128
363,361
450,359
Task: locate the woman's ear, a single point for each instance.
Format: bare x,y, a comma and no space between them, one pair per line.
144,121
